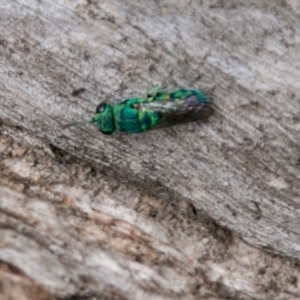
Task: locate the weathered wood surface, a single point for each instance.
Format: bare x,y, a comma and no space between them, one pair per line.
150,232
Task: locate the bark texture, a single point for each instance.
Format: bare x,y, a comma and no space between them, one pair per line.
198,211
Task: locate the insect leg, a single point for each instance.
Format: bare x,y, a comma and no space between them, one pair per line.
152,93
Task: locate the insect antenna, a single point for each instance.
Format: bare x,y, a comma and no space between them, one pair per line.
163,84
79,123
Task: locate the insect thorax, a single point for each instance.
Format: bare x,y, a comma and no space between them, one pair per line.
131,118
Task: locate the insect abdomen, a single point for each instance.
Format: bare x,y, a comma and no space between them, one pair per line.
201,96
182,94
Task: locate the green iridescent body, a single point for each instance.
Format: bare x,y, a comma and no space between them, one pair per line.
160,108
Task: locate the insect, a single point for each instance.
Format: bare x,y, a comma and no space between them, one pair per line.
160,108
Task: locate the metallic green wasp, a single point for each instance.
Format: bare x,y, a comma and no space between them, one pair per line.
160,108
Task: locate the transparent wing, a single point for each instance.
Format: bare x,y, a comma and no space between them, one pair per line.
179,107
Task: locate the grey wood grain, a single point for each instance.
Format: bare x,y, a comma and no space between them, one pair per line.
241,168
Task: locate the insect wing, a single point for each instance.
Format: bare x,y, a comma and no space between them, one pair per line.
178,110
